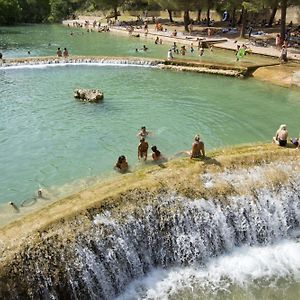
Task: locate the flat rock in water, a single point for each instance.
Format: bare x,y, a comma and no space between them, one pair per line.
87,95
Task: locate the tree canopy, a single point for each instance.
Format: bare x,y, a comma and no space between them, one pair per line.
37,11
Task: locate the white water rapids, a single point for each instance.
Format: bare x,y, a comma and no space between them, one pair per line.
245,267
238,246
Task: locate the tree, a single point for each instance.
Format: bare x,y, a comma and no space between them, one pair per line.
59,9
283,19
109,4
9,12
170,15
34,11
180,5
249,6
274,7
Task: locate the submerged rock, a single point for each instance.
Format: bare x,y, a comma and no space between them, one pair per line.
87,95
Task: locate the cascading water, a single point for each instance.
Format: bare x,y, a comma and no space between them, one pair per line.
165,236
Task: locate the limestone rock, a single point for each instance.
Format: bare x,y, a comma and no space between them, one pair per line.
88,95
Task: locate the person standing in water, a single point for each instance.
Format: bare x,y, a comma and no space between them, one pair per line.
170,55
58,52
65,53
143,149
143,132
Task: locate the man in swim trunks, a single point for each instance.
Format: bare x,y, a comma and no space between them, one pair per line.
143,149
197,148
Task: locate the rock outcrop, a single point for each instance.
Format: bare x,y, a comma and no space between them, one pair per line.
87,95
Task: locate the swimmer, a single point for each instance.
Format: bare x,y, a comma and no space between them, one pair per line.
144,48
156,155
143,132
143,149
14,206
40,193
121,165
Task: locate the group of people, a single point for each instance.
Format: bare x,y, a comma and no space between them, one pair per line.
281,137
183,50
121,165
63,53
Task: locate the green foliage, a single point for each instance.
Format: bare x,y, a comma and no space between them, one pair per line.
253,5
9,12
34,11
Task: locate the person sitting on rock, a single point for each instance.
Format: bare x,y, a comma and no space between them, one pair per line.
197,148
121,165
296,142
281,136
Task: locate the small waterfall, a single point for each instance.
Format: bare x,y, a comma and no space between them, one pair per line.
108,250
80,61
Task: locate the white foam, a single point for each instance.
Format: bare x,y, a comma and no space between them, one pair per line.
104,218
242,267
51,64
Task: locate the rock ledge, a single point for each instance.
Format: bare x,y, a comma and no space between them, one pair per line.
88,95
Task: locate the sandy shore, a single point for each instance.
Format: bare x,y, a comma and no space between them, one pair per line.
285,75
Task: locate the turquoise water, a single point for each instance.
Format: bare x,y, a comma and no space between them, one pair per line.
48,139
43,40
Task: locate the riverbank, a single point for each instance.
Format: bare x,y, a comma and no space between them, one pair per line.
286,75
288,71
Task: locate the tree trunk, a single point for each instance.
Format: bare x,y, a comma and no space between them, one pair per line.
233,20
199,15
116,13
186,20
273,13
170,15
244,19
208,17
283,19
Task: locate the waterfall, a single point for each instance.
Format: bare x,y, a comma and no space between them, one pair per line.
112,247
80,61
